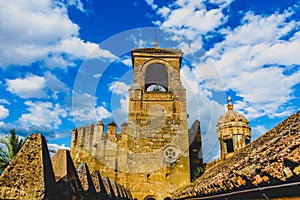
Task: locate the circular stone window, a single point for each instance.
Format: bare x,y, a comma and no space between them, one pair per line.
170,154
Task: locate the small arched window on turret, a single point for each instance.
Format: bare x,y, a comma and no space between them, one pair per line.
156,78
229,145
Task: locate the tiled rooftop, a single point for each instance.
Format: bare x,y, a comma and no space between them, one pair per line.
273,159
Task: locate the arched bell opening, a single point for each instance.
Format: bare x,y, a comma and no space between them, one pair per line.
156,78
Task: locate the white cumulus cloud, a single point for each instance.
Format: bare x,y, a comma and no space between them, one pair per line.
151,3
85,109
102,113
42,114
252,59
31,86
118,87
120,101
189,21
32,31
4,112
77,3
55,85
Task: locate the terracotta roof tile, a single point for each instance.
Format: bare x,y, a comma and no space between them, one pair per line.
272,159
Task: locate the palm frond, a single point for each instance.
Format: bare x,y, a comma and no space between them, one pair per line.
12,145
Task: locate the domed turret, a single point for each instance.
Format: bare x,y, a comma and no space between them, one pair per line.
233,131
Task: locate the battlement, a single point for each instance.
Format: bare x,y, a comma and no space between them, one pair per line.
103,145
93,136
96,130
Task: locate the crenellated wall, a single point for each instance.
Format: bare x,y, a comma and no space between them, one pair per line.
106,148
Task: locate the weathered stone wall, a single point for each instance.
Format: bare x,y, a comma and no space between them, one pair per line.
105,148
142,173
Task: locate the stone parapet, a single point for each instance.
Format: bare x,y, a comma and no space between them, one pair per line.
66,175
31,175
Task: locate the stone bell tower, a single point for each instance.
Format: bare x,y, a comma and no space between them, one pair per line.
157,124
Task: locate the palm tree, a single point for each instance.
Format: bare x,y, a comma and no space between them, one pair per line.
12,145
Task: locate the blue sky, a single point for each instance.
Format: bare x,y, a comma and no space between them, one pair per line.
66,63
